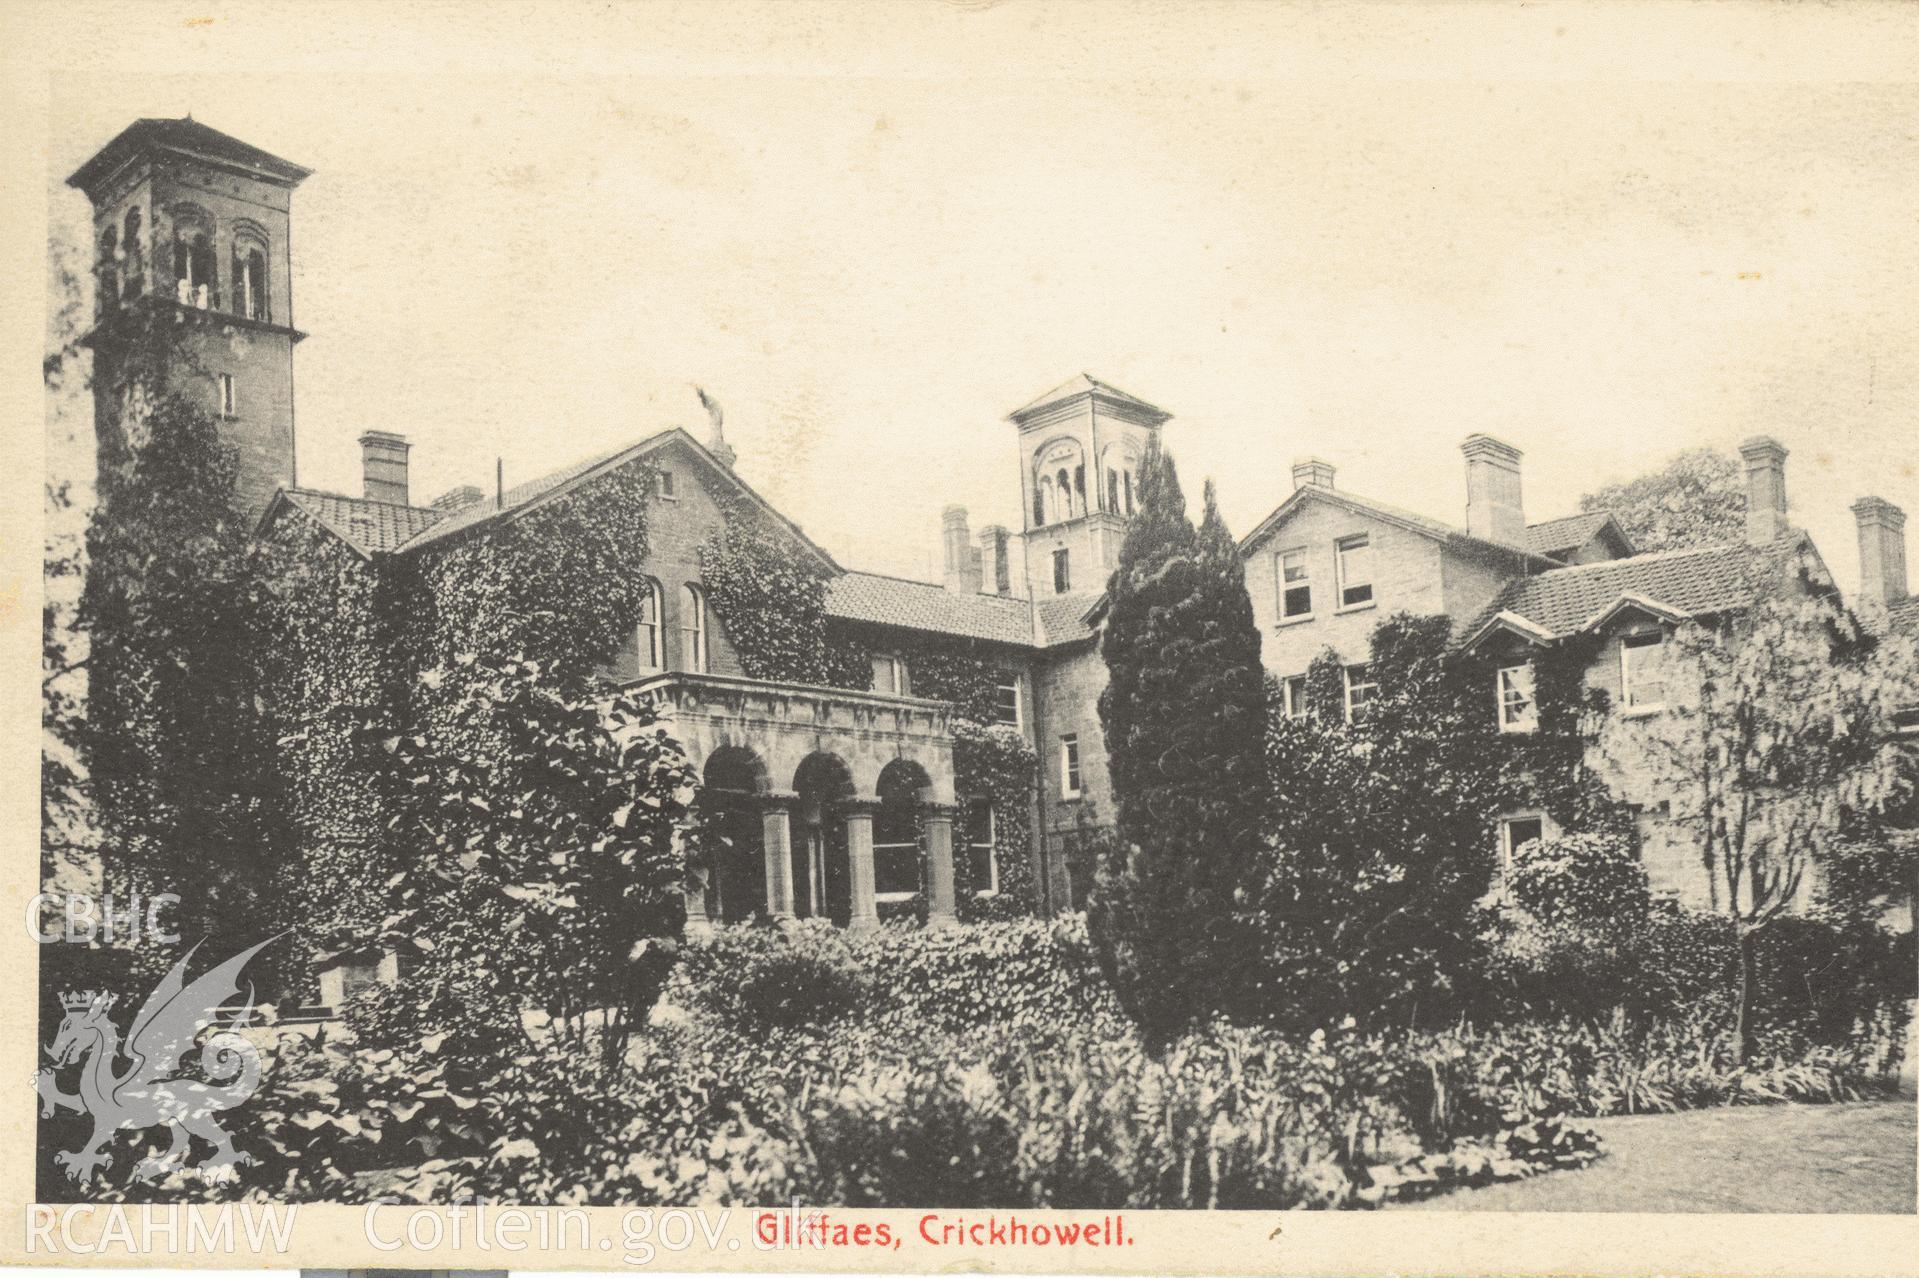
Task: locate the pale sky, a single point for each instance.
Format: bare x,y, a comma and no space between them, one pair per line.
871,254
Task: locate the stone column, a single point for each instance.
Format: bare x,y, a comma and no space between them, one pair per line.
776,846
697,923
939,867
859,859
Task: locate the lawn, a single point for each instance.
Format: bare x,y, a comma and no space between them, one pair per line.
1761,1158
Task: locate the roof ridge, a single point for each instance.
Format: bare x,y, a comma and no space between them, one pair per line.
1649,556
371,501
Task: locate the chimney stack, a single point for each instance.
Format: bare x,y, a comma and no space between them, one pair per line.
1765,489
383,462
1312,472
1882,550
995,544
1494,508
459,498
962,557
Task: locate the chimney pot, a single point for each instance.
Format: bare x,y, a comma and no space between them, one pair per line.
383,466
1312,472
1495,507
1882,550
1765,459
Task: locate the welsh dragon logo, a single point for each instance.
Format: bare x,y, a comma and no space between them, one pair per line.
150,1090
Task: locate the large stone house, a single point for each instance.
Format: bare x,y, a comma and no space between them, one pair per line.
847,796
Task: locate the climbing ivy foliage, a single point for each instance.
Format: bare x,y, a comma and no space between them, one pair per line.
1384,830
450,754
770,595
326,637
174,755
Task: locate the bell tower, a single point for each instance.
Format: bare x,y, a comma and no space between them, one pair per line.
1080,448
192,270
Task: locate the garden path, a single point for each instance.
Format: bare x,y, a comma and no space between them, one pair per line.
1768,1158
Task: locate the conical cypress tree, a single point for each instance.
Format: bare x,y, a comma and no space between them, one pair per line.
1184,718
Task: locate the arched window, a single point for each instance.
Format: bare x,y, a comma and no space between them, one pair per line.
646,635
196,273
693,628
1112,490
1065,483
250,281
109,273
135,251
1039,503
1046,503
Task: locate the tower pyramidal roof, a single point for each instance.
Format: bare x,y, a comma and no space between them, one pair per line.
190,138
1087,384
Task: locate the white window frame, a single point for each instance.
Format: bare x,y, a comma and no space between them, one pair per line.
975,843
1072,783
1507,679
666,485
1013,681
1506,845
1626,646
898,681
1305,582
229,393
1351,685
1292,693
650,654
693,634
1356,542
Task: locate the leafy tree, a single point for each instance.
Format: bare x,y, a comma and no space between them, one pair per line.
1776,744
1696,499
1184,716
550,871
1381,837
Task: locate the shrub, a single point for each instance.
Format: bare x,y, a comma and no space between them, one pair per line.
1581,880
759,977
1033,972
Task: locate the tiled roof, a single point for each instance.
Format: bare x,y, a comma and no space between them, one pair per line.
183,135
520,494
920,605
1438,529
1556,536
1086,384
1904,615
1062,619
1694,582
368,526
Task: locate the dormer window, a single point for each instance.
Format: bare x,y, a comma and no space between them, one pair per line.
1642,671
1518,712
